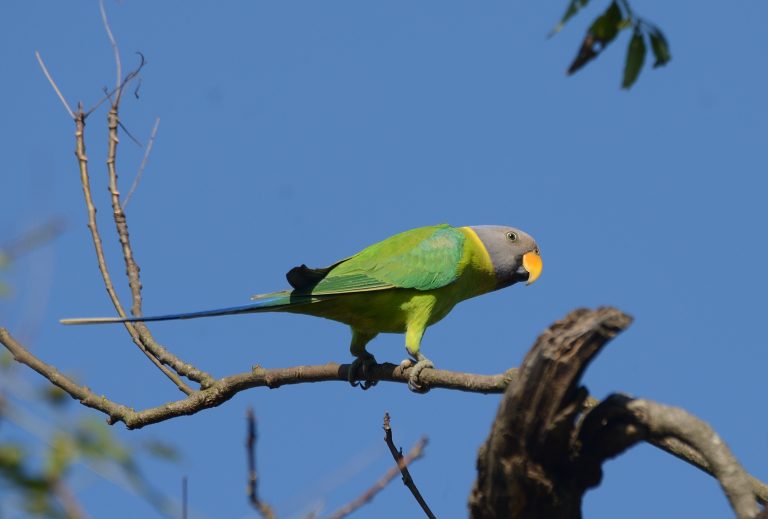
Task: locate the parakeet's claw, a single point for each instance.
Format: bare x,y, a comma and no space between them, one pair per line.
413,378
362,364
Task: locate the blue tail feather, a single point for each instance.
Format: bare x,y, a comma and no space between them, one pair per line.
265,303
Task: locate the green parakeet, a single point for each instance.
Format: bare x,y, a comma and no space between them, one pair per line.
400,285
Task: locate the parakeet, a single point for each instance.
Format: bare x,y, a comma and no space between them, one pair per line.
402,284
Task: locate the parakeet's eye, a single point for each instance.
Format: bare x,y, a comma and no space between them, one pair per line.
512,236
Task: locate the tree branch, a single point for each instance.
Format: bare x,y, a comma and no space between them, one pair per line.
520,466
548,442
139,333
221,390
54,85
621,421
225,388
158,357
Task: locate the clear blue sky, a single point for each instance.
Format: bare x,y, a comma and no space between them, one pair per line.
299,132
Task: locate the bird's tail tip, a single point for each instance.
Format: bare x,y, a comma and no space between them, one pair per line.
89,320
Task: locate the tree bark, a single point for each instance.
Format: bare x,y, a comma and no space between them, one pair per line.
526,468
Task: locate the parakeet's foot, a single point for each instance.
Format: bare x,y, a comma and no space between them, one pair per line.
413,379
362,364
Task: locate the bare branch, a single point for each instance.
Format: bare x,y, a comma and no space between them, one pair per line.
121,223
621,421
219,391
416,452
253,478
524,469
397,454
666,421
54,85
685,452
115,50
143,165
549,441
128,78
690,455
158,356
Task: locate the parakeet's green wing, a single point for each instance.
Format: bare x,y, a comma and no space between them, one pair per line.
424,259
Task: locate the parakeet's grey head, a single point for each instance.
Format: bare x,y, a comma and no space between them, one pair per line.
514,254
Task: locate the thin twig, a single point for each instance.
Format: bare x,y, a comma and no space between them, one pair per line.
130,77
115,50
82,159
121,224
129,134
416,452
184,497
139,333
143,165
407,479
54,85
253,477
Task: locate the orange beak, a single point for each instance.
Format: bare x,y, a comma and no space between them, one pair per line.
532,263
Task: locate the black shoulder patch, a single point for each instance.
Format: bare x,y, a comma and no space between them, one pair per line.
304,278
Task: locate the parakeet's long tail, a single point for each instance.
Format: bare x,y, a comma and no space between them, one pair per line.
263,303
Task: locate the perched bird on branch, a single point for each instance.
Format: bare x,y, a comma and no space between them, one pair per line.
400,285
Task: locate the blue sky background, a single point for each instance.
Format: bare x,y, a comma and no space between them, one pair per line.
299,132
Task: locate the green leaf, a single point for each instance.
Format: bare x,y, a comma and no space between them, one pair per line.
660,47
635,59
602,32
573,8
606,26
